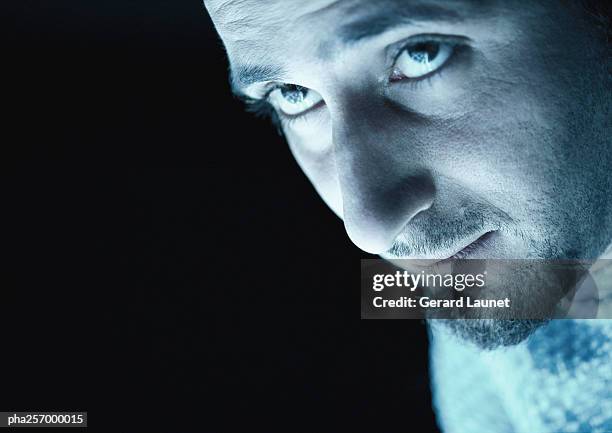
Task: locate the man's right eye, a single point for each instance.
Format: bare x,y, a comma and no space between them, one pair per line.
293,100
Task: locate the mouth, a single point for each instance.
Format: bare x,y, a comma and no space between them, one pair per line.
472,247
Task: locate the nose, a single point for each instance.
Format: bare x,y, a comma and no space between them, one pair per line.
383,182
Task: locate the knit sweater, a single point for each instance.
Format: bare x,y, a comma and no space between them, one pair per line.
558,380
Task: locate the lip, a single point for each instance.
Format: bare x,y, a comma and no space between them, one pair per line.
472,247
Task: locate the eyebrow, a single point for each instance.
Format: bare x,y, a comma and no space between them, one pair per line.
380,21
368,25
244,75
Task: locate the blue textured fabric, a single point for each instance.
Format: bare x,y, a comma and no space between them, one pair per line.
558,380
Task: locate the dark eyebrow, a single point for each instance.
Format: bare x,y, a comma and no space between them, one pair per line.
380,21
242,76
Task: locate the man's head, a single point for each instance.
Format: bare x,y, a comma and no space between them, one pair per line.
438,129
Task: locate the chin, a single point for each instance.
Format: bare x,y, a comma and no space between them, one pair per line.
489,334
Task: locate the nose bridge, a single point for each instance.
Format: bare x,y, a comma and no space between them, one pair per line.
383,182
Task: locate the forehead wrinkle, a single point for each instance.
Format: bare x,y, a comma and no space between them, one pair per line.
243,20
224,8
241,16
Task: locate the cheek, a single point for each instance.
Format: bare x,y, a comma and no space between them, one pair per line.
513,147
499,126
311,145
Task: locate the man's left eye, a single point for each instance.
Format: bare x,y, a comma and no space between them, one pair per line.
294,100
419,59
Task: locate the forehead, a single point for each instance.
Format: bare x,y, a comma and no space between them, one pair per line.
239,15
263,27
269,32
241,21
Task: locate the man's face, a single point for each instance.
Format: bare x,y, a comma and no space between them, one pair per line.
438,129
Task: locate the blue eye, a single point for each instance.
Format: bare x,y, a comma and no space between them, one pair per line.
293,100
421,58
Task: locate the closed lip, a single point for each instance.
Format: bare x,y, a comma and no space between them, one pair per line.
471,247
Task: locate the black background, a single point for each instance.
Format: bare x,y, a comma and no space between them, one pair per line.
169,266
